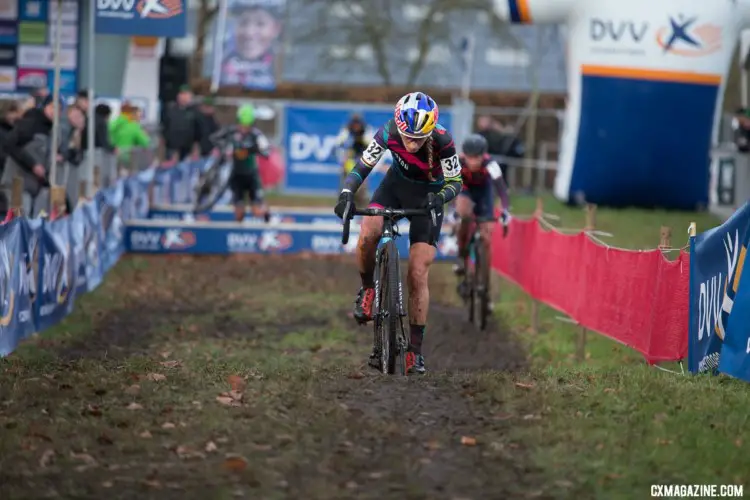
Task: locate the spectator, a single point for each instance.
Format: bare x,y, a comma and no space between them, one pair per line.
353,139
71,153
101,129
207,125
501,143
10,112
741,129
27,147
127,133
180,126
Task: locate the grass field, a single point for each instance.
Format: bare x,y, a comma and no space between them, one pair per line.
244,378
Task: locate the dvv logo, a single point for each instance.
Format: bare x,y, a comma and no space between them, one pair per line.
145,9
304,146
685,38
177,239
617,31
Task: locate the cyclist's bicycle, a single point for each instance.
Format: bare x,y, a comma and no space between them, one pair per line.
390,339
211,185
475,287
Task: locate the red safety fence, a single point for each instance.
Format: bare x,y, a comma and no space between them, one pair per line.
638,298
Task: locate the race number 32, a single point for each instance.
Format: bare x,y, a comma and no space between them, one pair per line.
373,153
451,166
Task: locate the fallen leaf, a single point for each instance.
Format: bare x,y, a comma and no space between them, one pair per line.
351,485
236,383
135,406
93,410
738,442
104,439
235,464
225,400
170,364
376,475
165,354
613,476
356,375
153,483
524,385
156,377
47,457
468,441
211,447
145,435
168,425
84,457
236,395
609,389
107,484
133,390
432,445
186,453
531,417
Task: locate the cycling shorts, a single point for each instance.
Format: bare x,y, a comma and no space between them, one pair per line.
483,197
396,191
246,184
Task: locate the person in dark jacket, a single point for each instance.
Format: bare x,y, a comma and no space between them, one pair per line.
10,112
101,128
207,125
27,147
180,126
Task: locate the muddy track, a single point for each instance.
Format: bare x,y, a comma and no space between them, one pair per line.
358,434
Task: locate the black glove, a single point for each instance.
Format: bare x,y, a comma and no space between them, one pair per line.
434,200
344,204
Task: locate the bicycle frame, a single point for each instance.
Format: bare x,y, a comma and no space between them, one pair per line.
390,232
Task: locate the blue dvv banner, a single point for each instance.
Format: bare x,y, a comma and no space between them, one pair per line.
56,283
157,18
714,256
735,354
313,164
11,250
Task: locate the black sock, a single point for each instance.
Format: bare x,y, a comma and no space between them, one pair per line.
417,335
367,281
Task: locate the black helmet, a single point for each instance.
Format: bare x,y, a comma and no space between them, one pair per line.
474,145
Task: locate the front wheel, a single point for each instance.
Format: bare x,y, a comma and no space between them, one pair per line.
389,337
482,284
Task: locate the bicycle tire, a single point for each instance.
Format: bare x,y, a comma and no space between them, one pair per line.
381,330
482,272
398,342
211,176
471,285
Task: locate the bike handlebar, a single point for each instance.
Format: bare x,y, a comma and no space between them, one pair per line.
392,213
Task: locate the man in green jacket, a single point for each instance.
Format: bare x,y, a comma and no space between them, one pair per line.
126,132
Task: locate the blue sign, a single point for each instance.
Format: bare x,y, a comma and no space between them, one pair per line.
11,249
158,18
735,354
33,10
56,282
713,259
153,237
312,156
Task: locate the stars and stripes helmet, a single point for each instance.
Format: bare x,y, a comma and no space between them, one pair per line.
416,115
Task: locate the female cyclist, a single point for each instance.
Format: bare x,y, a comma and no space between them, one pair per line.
426,173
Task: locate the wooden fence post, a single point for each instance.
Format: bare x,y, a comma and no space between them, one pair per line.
538,213
16,196
97,178
57,201
665,238
583,333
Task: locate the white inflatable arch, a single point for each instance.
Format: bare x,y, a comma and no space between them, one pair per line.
645,86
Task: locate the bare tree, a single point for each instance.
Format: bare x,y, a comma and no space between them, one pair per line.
379,26
207,10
